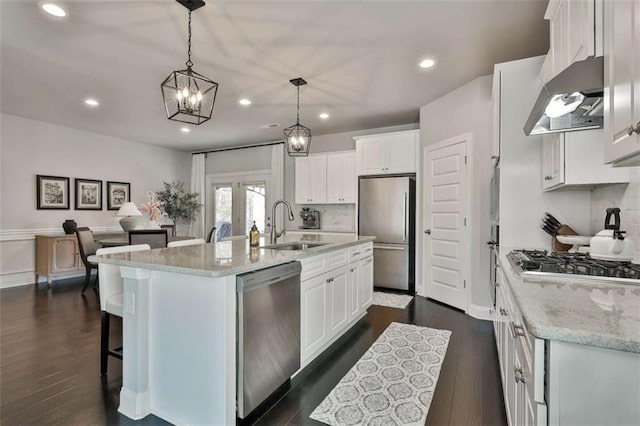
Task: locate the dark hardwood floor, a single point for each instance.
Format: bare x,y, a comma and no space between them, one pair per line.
50,366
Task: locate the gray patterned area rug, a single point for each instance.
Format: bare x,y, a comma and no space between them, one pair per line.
393,382
391,300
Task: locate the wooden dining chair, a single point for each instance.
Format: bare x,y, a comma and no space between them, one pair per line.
87,247
156,238
182,243
111,290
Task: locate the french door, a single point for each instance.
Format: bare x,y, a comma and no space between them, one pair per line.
235,201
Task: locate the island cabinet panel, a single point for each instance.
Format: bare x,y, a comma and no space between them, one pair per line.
365,286
336,290
314,315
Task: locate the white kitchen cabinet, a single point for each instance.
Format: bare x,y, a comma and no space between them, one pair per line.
572,32
365,277
311,186
341,178
495,96
388,153
622,82
336,289
326,179
314,315
571,160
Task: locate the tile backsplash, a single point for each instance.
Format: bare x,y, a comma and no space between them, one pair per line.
627,198
333,217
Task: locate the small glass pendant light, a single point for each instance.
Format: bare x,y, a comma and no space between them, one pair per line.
189,96
298,137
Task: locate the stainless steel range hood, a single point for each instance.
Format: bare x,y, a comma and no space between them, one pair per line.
572,100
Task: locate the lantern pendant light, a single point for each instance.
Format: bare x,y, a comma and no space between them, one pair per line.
298,137
189,96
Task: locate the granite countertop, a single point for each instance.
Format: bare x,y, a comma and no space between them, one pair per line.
228,257
596,313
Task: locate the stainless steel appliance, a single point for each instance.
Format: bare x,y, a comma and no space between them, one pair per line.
310,218
572,100
387,211
268,339
542,263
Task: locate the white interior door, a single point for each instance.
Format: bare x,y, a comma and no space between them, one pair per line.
445,236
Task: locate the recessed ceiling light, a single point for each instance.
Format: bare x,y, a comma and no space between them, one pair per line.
185,130
427,63
244,102
54,9
324,115
91,102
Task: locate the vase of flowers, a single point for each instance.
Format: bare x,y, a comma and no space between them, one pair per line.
152,208
177,203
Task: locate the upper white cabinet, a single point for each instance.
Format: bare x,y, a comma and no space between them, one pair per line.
495,96
572,159
622,82
326,179
311,172
573,25
341,178
388,153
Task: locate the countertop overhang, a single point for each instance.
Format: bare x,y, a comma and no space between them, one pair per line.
228,257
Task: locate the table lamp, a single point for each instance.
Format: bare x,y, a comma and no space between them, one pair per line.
130,213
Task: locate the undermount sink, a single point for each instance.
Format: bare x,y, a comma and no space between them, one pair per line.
295,246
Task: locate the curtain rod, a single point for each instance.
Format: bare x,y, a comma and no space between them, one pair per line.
238,147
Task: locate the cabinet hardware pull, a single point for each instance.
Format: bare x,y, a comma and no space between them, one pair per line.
630,130
352,270
428,231
547,177
356,253
503,312
638,127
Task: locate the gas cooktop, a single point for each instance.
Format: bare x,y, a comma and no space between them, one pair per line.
544,263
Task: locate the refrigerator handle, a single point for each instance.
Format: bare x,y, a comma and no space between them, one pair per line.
404,218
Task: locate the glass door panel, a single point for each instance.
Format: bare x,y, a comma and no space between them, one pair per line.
223,216
255,195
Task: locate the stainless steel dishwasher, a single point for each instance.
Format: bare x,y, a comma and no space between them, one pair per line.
268,340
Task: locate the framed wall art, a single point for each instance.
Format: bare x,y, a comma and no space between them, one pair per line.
88,194
52,192
118,193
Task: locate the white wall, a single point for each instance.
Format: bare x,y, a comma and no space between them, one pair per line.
625,196
333,217
239,160
467,110
29,147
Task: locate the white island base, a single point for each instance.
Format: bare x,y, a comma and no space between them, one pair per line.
179,337
179,319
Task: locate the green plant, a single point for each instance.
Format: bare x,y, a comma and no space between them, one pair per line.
177,203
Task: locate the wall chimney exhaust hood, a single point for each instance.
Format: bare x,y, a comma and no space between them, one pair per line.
572,100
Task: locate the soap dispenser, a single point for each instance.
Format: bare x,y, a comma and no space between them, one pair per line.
254,235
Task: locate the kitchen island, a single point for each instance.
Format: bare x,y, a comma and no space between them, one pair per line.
180,317
569,348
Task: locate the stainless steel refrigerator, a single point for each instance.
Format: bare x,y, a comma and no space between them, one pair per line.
386,210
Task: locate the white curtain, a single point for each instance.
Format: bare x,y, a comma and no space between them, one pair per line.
276,186
196,228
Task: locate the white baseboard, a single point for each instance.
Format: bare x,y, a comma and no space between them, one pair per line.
16,279
481,312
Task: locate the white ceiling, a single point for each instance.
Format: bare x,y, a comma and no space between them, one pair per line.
359,57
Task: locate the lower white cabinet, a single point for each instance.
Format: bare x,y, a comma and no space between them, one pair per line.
550,382
338,287
365,282
332,298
